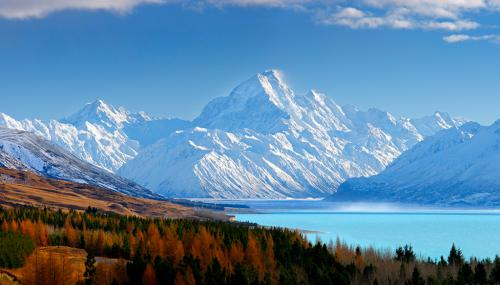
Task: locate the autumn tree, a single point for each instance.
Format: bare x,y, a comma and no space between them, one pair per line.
70,233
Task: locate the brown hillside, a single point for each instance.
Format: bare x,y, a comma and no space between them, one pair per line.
19,188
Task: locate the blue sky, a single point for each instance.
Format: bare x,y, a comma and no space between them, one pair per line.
171,58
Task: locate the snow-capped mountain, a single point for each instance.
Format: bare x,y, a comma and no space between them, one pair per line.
98,133
265,141
29,152
458,167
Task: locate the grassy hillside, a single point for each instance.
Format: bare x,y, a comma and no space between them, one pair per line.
20,188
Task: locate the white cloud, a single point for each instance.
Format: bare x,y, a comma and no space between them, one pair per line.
451,9
401,18
23,9
463,38
449,15
459,25
269,3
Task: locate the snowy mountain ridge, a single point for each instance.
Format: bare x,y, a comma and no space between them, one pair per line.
261,141
95,134
455,167
265,141
26,151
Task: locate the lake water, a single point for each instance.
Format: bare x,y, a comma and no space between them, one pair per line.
431,232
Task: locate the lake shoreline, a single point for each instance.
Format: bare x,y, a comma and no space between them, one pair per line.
430,231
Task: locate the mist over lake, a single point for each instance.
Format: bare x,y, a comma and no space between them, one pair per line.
430,231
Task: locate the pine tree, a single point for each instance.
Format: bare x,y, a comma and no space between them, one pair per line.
480,276
126,248
456,257
416,279
465,274
495,272
90,269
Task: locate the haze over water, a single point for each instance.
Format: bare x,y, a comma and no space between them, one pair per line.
431,232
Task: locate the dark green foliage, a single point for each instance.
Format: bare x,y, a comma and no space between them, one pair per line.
82,241
416,278
243,276
190,262
456,257
495,272
90,269
165,271
405,254
125,249
14,248
480,276
465,274
114,251
215,274
135,269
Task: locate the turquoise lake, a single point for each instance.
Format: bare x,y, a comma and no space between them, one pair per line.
431,232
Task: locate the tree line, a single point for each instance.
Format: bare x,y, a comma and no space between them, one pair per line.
167,251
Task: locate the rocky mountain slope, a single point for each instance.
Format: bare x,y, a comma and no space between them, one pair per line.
265,141
261,141
26,151
99,133
456,167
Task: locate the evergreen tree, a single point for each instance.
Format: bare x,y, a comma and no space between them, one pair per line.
456,257
495,272
125,248
215,275
82,241
465,274
416,279
405,254
136,268
165,272
480,276
90,269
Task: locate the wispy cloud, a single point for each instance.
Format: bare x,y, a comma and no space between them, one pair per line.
463,38
397,19
448,15
24,9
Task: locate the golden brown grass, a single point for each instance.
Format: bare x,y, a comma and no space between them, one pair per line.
18,188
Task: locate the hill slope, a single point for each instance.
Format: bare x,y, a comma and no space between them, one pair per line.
456,167
19,188
26,151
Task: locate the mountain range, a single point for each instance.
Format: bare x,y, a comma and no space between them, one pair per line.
456,167
261,141
26,151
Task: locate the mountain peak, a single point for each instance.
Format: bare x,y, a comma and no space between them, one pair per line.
99,112
262,103
273,74
270,83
